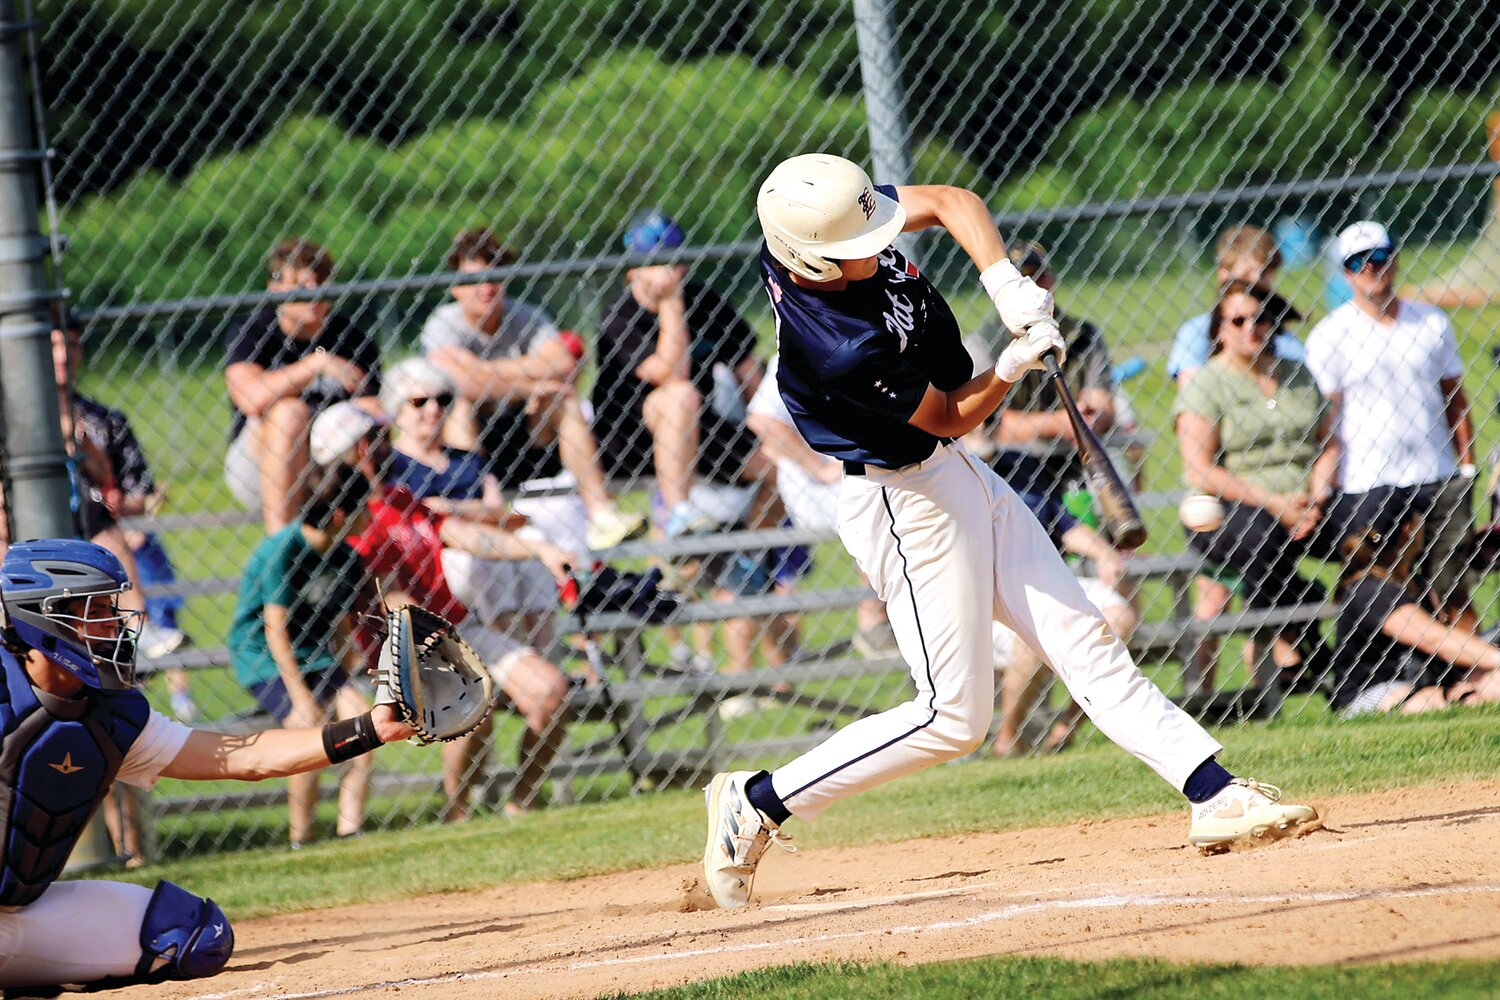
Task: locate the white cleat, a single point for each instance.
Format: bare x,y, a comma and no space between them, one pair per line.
1246,809
738,834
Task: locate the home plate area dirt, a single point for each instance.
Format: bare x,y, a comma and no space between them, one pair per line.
1394,876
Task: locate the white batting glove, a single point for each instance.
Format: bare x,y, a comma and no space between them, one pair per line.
1025,353
1020,301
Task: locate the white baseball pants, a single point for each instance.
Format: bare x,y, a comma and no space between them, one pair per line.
950,548
76,932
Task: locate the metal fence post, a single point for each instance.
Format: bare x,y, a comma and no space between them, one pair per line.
885,99
36,481
885,96
36,471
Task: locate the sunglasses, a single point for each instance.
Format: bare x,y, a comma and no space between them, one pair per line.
1256,320
1380,257
443,400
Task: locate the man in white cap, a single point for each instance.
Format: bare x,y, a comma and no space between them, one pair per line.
1392,369
873,373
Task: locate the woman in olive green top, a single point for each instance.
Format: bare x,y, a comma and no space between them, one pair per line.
1255,431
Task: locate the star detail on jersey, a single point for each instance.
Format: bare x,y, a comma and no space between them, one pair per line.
880,386
66,765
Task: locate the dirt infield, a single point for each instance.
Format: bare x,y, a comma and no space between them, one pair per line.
1394,876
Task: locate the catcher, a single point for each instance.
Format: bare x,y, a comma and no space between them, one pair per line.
72,724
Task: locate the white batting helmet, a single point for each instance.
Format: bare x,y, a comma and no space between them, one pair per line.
817,209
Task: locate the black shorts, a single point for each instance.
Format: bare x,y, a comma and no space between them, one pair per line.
626,449
272,698
512,455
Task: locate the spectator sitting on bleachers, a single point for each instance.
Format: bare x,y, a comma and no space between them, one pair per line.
292,639
1395,378
809,487
514,373
417,397
676,366
458,568
1242,253
453,481
1024,684
1255,432
1392,653
130,491
285,365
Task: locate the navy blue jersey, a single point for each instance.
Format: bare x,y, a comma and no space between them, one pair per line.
856,363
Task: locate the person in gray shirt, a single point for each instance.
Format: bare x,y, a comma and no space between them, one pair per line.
514,371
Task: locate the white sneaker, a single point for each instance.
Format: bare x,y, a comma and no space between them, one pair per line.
1245,808
611,526
737,707
685,519
738,834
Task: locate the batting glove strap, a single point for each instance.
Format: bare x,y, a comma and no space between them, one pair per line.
349,738
1020,301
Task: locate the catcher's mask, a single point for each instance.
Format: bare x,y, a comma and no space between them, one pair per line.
43,581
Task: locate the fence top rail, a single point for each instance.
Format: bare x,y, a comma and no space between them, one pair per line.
1117,208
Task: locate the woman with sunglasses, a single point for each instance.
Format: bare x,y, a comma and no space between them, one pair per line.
1255,432
417,396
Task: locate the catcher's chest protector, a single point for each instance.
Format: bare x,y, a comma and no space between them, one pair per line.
58,757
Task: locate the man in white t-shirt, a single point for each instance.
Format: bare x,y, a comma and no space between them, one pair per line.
72,726
514,371
1392,369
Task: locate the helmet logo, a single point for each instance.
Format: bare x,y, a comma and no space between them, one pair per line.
867,203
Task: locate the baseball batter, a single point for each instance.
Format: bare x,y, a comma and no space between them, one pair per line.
71,725
873,373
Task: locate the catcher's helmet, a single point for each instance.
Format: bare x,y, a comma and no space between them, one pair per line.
37,576
817,209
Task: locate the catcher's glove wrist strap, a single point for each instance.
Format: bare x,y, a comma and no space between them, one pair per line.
349,738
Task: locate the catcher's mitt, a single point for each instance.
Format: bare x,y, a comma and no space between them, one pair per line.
432,676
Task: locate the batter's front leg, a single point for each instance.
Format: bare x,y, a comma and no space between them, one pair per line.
1038,597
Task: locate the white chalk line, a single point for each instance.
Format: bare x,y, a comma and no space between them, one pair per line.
1004,913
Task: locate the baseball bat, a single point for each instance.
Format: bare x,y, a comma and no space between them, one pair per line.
1117,511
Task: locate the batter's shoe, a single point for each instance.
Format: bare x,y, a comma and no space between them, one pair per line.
1245,810
738,834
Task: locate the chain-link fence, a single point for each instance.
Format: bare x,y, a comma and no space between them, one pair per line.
536,365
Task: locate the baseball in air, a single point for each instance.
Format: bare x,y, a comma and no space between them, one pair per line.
1201,512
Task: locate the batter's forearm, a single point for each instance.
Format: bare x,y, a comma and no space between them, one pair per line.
956,413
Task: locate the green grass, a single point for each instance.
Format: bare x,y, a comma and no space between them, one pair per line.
1061,979
1309,757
